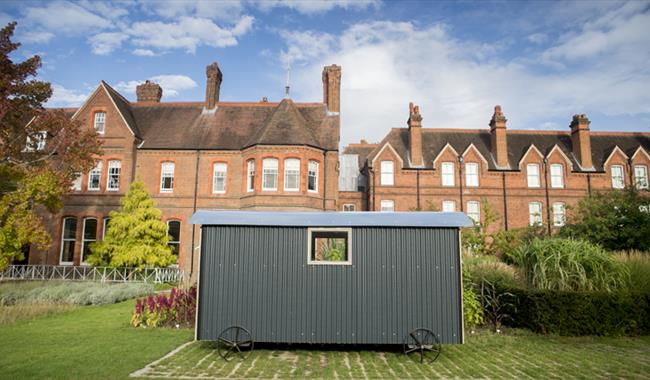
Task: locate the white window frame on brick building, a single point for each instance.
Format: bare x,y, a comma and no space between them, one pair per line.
474,211
174,242
41,139
68,235
559,214
532,173
448,206
557,176
387,173
105,222
270,174
167,169
447,173
219,177
641,177
471,175
618,176
113,175
95,177
291,174
250,175
100,122
535,214
76,184
312,176
387,205
88,236
349,207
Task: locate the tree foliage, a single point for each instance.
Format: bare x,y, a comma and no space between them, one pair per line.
136,236
617,220
480,238
41,152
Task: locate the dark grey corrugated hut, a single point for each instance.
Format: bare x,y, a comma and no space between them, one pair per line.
398,272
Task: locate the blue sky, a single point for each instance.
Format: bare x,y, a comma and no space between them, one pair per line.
542,61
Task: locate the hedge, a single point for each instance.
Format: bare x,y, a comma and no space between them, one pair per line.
580,313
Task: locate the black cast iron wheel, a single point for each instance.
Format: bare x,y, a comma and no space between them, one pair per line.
422,345
234,341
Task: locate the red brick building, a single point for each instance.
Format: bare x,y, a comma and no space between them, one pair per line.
527,176
199,155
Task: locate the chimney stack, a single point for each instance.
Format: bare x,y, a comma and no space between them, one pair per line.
332,87
581,141
415,135
148,92
499,138
213,85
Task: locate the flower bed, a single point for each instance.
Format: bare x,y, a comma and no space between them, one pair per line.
178,309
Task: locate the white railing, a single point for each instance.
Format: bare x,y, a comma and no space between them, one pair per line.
87,273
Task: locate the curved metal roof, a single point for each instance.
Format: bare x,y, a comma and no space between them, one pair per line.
331,219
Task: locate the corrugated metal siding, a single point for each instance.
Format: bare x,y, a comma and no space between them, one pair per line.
400,279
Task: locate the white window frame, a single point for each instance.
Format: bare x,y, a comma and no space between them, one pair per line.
641,177
96,171
78,181
532,175
178,242
387,205
250,176
349,207
475,215
448,174
167,170
270,167
559,214
41,139
219,175
105,222
85,242
100,120
387,173
116,166
472,176
616,178
535,217
348,260
557,179
446,206
64,239
312,172
291,168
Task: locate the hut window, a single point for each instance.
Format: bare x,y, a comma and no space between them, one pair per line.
312,178
329,246
219,171
68,240
174,231
617,177
94,177
270,174
291,174
387,172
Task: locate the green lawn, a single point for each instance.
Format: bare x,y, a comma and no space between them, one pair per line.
88,342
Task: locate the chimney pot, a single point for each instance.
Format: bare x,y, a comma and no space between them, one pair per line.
332,87
415,135
213,85
148,92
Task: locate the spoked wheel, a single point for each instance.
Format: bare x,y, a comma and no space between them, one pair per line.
422,345
234,341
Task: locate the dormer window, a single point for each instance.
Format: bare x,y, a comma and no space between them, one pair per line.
100,122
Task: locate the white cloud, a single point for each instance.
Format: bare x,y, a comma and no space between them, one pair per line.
537,38
315,6
105,43
36,37
64,97
172,9
144,53
187,33
305,46
172,85
64,17
388,64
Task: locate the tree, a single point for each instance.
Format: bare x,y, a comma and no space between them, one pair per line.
136,236
617,220
479,238
41,152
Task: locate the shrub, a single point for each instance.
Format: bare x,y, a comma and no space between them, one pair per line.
567,264
472,310
74,293
491,269
638,264
176,310
581,313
